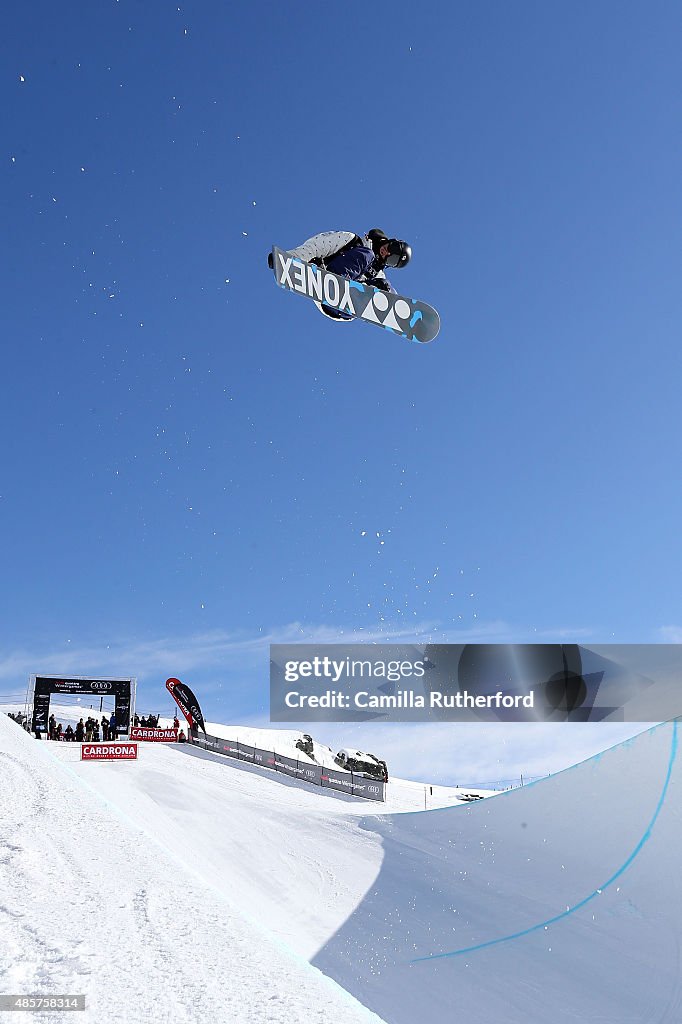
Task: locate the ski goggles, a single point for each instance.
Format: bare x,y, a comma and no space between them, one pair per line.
398,253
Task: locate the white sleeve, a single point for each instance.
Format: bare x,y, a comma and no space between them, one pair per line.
319,247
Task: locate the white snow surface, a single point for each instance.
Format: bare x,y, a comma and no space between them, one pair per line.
195,887
92,903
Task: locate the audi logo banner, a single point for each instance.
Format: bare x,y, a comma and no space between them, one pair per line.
44,688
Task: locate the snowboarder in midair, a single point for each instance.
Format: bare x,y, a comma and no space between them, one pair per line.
361,258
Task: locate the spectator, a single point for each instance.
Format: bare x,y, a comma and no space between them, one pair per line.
181,737
105,728
88,730
176,723
58,731
112,726
136,721
52,724
80,731
95,732
68,733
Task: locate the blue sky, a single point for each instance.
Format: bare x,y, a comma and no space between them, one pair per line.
195,461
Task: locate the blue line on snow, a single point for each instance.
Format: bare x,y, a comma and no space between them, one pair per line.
578,906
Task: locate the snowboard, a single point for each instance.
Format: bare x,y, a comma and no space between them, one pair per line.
412,318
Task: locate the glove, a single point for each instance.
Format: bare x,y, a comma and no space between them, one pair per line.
381,283
270,262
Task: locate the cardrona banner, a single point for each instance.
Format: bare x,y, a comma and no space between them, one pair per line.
138,732
109,752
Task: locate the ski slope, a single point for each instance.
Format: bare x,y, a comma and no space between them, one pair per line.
211,883
90,903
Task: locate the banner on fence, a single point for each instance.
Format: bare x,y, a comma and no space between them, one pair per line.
314,774
137,732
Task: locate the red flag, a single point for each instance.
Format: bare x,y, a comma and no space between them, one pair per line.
187,702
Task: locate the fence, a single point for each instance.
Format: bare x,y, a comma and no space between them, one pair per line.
314,774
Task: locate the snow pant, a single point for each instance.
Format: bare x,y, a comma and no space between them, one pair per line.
352,263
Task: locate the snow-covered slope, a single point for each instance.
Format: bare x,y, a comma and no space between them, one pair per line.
559,902
89,904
